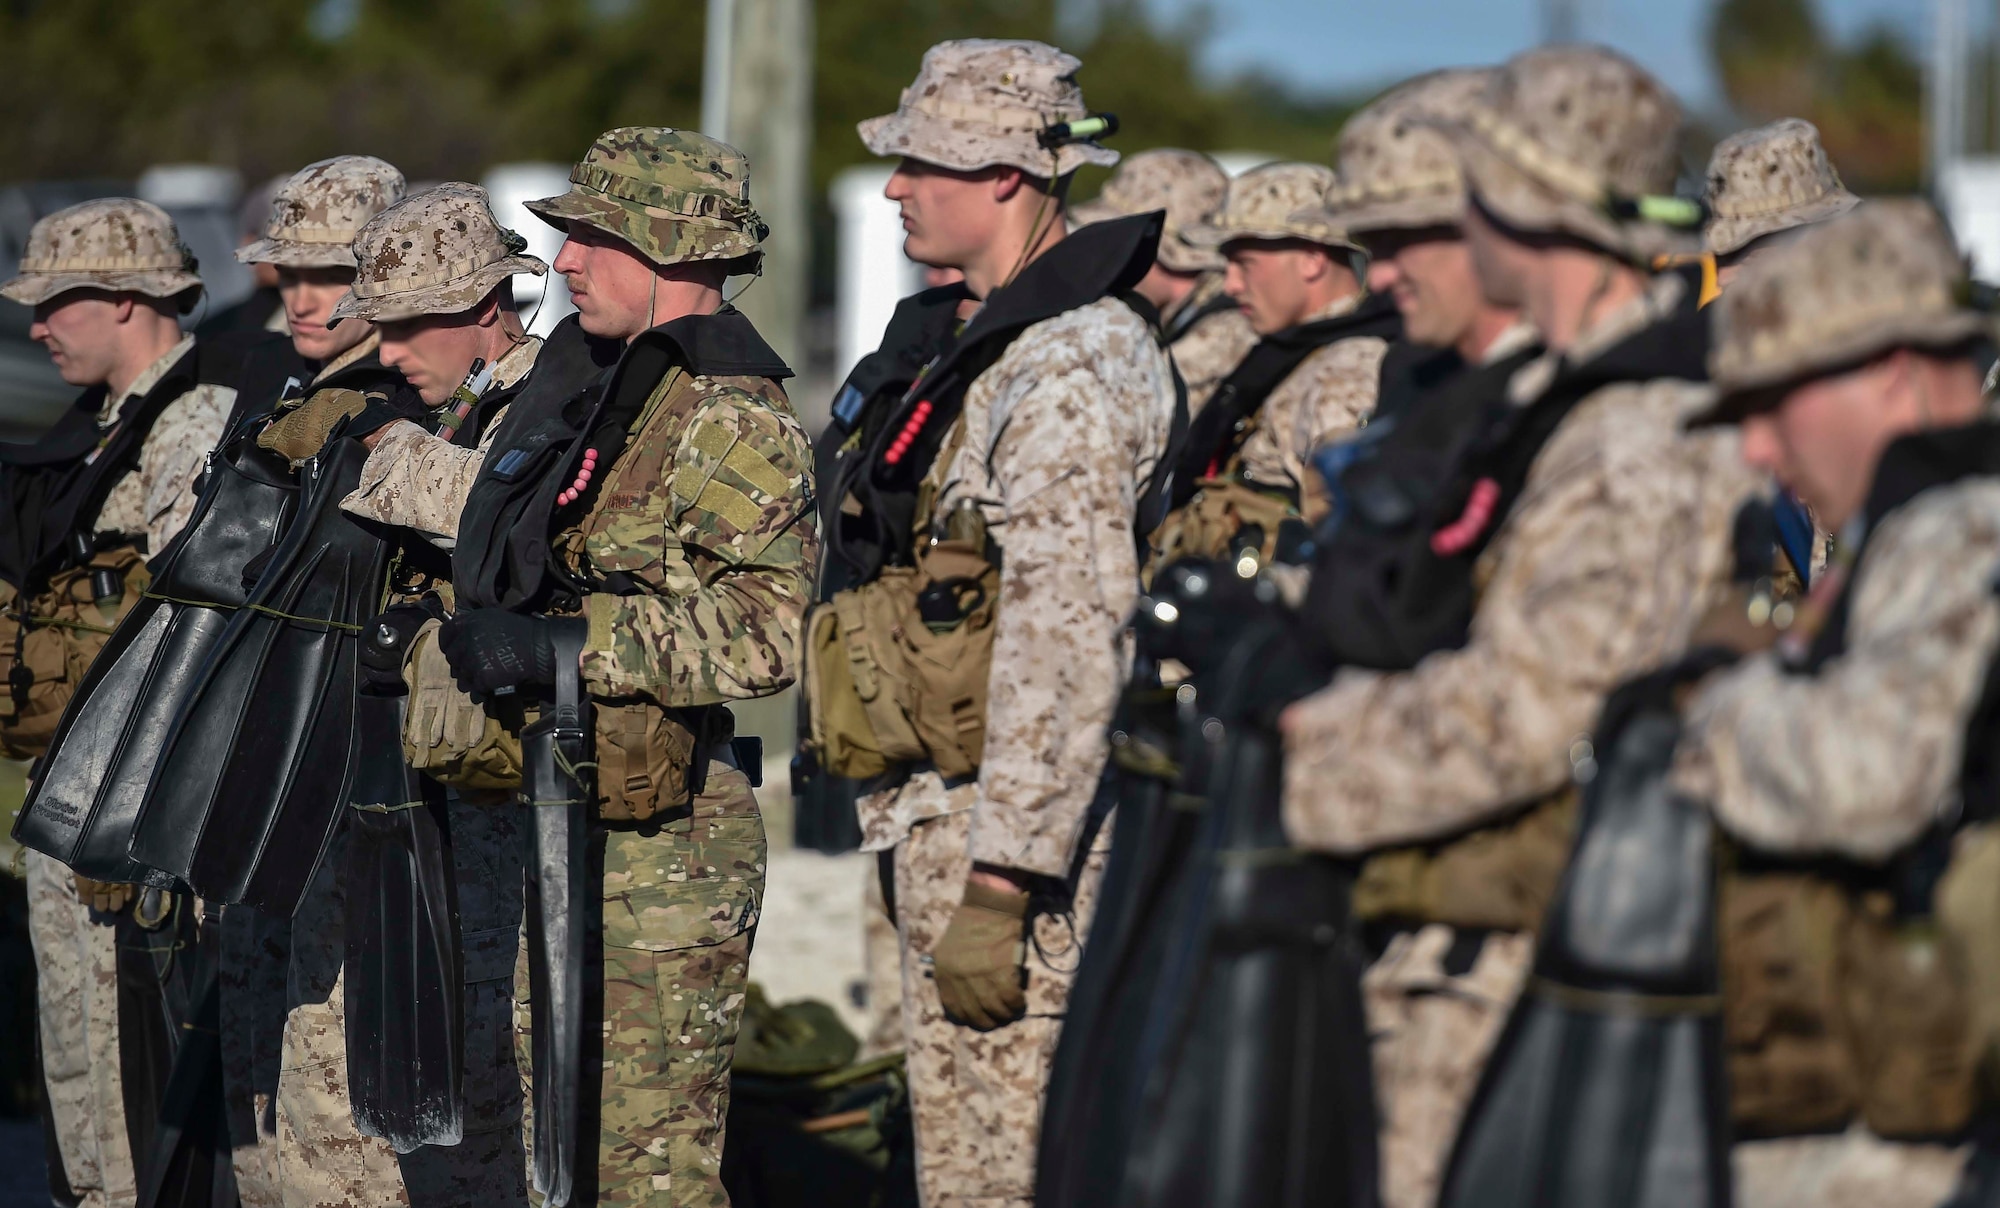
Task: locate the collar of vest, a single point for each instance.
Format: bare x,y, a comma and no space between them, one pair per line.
1675,346
1101,260
1374,315
1919,461
724,344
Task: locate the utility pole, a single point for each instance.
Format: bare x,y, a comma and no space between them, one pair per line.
1944,89
761,103
1560,20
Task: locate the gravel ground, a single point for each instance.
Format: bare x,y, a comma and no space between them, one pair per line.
23,1182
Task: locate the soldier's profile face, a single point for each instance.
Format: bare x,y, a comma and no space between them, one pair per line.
434,352
948,216
618,293
309,295
79,328
1824,438
1272,280
1428,273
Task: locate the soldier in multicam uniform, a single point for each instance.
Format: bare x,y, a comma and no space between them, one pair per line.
107,280
1206,330
1311,377
1583,547
290,1124
1847,359
1764,185
695,543
1052,411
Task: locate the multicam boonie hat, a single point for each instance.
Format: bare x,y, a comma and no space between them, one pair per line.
1884,276
1188,185
438,252
1580,140
319,211
674,195
1396,169
1276,201
983,102
1770,179
115,243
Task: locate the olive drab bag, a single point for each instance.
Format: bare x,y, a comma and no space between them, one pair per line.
47,644
446,735
1225,515
897,669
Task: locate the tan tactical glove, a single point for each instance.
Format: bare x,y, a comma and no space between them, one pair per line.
978,962
104,897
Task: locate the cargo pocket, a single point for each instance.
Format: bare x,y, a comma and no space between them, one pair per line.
676,967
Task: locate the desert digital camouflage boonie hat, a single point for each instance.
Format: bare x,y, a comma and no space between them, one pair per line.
1770,179
438,252
983,102
1580,140
1188,185
1276,201
1396,169
674,195
115,243
318,212
1884,276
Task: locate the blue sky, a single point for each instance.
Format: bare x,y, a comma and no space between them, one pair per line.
1343,45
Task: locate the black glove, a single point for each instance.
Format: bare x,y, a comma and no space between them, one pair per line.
385,642
494,652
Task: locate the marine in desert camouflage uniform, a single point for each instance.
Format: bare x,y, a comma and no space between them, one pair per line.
433,278
1765,185
1845,357
706,515
1619,543
1054,444
106,279
1206,331
283,1029
1288,266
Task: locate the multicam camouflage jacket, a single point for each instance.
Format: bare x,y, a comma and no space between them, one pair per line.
418,480
709,510
1620,543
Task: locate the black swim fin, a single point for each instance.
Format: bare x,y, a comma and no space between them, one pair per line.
1255,1054
403,974
84,805
1608,1084
254,776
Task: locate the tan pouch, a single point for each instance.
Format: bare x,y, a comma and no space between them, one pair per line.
1967,902
446,735
840,735
1208,525
1790,1067
951,663
1910,1024
644,755
1500,877
66,631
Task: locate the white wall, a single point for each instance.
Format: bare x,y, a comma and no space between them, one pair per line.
872,274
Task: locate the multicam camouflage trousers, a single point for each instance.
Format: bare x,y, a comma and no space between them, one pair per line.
1431,1032
976,1097
681,900
76,962
323,1160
